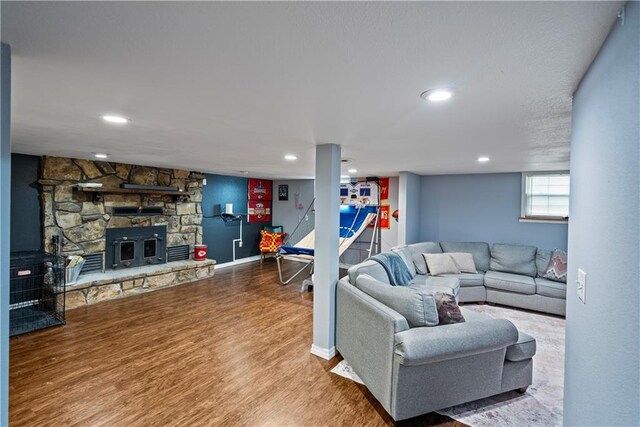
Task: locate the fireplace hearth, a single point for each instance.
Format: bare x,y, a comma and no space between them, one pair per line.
135,246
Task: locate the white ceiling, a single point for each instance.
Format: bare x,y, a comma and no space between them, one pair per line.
224,87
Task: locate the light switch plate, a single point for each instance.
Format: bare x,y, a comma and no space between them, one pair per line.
204,181
582,285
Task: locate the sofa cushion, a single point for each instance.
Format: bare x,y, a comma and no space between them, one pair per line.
543,257
417,249
405,254
524,349
369,267
549,288
419,346
479,251
447,285
448,310
418,306
464,261
515,259
557,269
440,264
510,282
468,279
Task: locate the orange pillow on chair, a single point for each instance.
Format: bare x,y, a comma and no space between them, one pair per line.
270,242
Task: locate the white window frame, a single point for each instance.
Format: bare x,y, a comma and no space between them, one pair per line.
523,200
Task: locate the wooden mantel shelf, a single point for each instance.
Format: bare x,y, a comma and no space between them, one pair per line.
98,192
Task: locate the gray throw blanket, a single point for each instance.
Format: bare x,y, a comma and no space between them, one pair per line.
394,265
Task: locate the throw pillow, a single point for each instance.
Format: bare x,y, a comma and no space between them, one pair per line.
417,249
448,310
416,305
463,261
557,270
270,242
440,264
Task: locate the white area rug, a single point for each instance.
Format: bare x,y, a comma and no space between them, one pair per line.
541,405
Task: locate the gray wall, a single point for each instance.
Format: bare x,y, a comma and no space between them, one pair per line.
285,212
5,212
482,207
25,203
409,208
602,384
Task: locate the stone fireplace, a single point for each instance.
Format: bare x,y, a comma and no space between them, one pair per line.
81,219
124,229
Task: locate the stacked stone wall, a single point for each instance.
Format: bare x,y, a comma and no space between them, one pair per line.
81,222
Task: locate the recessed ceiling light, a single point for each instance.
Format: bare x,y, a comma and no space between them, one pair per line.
244,172
115,119
437,95
100,155
290,157
353,170
483,159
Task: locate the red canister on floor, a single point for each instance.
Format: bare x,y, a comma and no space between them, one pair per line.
200,252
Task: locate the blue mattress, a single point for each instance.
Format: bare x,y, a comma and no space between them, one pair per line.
350,221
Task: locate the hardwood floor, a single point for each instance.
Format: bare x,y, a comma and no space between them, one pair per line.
232,350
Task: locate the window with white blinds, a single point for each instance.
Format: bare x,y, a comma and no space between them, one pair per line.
545,195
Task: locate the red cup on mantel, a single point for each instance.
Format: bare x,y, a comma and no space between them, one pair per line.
200,252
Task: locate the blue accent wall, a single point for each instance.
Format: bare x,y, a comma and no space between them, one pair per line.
602,358
25,203
483,208
217,234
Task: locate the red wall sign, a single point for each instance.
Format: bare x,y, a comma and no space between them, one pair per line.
259,189
259,211
383,218
384,189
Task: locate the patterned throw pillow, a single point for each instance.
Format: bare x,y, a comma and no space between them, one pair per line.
448,310
557,269
270,242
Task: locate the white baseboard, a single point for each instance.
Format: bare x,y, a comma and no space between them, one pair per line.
238,262
325,353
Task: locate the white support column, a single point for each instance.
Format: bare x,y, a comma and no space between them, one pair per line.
327,235
409,191
5,213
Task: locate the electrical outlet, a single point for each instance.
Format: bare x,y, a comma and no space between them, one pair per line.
204,181
582,285
306,217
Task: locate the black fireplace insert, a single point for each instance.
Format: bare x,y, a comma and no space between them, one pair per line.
136,246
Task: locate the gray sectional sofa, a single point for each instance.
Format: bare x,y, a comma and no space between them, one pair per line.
507,274
419,369
411,362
